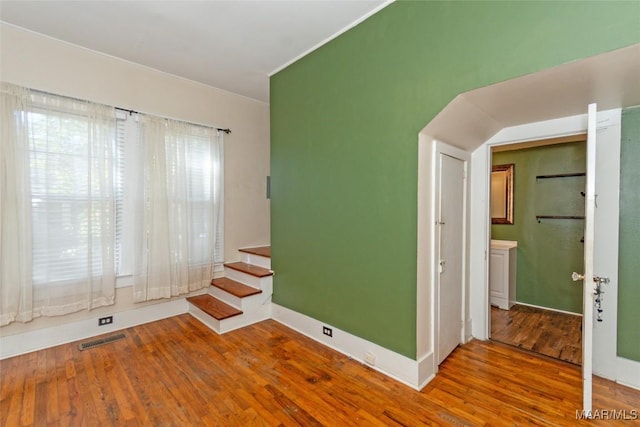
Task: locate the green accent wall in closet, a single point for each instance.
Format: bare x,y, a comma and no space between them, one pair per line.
344,142
549,250
629,257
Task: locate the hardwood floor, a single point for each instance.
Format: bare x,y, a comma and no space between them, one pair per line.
547,332
176,372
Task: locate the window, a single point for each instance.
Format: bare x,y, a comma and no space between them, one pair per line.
68,212
56,205
188,152
87,195
128,185
202,172
70,168
182,207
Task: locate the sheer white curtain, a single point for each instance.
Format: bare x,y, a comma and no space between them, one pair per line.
182,196
15,208
56,205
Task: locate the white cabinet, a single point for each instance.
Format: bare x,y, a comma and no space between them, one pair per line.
502,273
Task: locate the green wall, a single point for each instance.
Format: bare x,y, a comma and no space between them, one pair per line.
548,251
629,266
344,125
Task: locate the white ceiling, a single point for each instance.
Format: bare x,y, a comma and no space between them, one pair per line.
231,45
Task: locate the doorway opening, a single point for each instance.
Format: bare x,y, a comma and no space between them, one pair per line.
534,304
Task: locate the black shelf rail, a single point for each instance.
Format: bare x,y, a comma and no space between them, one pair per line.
561,175
539,217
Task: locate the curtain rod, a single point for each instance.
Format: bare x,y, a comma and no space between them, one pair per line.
227,130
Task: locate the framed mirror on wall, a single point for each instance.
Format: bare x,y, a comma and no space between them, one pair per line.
502,179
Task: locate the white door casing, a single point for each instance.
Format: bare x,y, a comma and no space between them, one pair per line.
606,240
606,230
451,268
588,284
602,214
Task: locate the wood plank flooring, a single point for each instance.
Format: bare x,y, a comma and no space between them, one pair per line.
547,332
176,372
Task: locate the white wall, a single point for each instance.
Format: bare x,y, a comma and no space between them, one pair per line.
43,63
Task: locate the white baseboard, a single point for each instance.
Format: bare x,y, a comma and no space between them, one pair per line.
408,371
426,371
628,372
468,327
549,308
14,345
415,374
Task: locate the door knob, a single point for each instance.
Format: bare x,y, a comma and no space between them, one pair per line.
597,279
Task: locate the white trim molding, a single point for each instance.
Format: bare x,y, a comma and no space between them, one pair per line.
628,372
605,361
415,374
549,309
428,235
15,345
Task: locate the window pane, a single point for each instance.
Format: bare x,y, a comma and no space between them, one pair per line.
68,206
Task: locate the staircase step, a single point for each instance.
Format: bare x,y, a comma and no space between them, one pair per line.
251,269
214,307
237,289
264,251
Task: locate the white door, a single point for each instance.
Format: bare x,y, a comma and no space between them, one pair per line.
588,277
451,250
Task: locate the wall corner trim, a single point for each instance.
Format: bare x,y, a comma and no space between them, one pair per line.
415,374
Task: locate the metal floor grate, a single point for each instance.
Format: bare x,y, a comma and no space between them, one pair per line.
451,420
106,340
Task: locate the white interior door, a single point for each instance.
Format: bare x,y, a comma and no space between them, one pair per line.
451,246
588,277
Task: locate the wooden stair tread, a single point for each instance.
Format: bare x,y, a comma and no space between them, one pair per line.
237,289
264,251
251,269
214,307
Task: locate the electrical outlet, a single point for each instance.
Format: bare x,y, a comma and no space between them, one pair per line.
327,331
370,358
105,320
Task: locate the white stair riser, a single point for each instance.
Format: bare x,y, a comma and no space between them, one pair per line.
248,279
210,321
261,313
258,315
256,260
245,304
